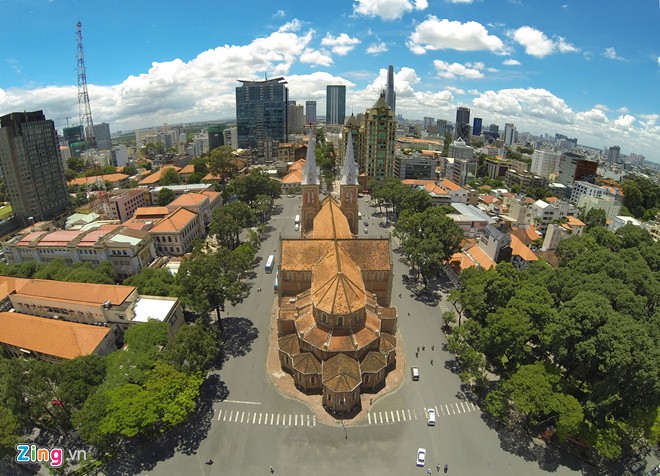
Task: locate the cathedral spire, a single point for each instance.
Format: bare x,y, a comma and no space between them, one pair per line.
310,172
349,174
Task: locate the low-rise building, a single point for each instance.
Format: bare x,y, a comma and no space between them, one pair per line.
154,178
470,219
418,166
544,213
523,180
175,233
201,203
123,203
521,255
608,203
180,190
586,189
621,221
115,180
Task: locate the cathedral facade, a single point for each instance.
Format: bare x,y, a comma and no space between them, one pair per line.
336,331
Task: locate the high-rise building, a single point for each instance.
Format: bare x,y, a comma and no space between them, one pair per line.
545,163
335,104
296,118
463,123
390,93
574,167
31,166
509,134
459,150
261,115
216,137
310,112
379,138
102,136
476,126
613,154
441,124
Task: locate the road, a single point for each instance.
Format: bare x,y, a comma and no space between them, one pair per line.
255,426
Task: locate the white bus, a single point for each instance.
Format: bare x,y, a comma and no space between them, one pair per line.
270,263
297,220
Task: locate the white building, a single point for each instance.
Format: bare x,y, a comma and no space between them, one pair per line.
120,155
586,189
608,203
231,137
509,134
460,150
620,221
545,163
544,213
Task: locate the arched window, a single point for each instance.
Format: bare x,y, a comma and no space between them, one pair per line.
340,320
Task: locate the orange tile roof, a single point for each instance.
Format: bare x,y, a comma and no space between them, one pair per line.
150,213
368,254
188,169
433,188
337,285
486,187
374,362
293,177
532,233
507,195
112,178
212,195
66,340
298,164
450,185
306,363
341,374
574,221
417,182
550,199
174,222
188,199
156,176
481,257
9,284
529,200
460,261
487,199
330,222
289,344
86,293
518,248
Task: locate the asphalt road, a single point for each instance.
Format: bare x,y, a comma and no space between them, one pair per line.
255,427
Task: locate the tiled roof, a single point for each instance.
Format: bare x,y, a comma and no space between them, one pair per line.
387,342
174,222
373,363
9,284
106,178
480,256
487,199
422,182
85,293
66,340
307,364
528,200
368,254
341,340
330,222
574,221
212,195
364,337
295,176
188,199
289,344
297,165
150,213
518,248
434,189
460,261
341,374
156,176
450,185
188,169
551,199
337,285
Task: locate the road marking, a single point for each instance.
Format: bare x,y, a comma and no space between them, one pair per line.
380,415
436,410
447,407
409,417
296,420
387,420
289,419
272,415
254,418
260,417
415,413
392,413
219,413
369,417
314,419
278,419
242,413
473,407
465,409
242,402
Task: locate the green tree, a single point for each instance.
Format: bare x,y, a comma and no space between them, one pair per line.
247,187
165,196
88,419
152,282
206,281
173,393
193,348
170,177
229,221
9,432
146,337
78,378
633,236
130,411
129,170
221,162
595,217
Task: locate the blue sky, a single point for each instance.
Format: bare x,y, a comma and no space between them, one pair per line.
585,69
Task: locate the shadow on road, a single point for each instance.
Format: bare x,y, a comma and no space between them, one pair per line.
238,333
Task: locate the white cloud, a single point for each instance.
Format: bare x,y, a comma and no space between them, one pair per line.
341,44
593,116
387,9
315,57
455,90
536,43
473,92
610,53
511,62
530,101
454,70
435,34
649,119
403,83
280,14
623,110
376,48
624,122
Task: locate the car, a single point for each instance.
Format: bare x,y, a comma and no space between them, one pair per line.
431,417
297,227
414,371
637,466
290,195
366,223
421,457
366,231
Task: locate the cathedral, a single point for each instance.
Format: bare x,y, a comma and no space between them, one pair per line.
336,331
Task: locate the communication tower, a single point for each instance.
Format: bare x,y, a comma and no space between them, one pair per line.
83,97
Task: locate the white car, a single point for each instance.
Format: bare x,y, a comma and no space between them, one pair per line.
431,417
421,457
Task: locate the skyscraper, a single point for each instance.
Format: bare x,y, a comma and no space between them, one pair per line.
463,123
310,112
509,134
216,137
295,118
261,115
476,126
613,154
390,93
379,138
335,105
31,167
102,136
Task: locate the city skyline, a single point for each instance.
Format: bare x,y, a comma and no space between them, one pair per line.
550,68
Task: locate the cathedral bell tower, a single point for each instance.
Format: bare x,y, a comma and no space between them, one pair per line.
311,186
348,187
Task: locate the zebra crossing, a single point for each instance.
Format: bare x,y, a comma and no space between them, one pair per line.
388,417
264,418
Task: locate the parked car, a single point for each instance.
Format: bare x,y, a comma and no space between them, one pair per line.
421,457
431,417
414,371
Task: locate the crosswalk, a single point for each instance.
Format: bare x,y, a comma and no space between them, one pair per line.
388,417
264,418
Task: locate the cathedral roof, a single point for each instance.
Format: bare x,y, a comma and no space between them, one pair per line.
306,363
349,173
341,374
330,222
387,342
337,285
370,254
374,362
310,171
352,121
289,344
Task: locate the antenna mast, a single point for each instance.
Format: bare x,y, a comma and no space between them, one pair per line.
83,97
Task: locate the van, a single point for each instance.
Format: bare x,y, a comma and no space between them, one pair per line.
415,373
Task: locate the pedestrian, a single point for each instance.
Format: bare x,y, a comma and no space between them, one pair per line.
423,348
446,468
408,312
433,347
416,354
271,470
438,467
417,349
431,361
429,472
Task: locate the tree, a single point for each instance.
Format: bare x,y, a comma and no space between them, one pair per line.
247,187
152,282
129,170
170,177
9,432
147,337
221,163
228,221
173,393
165,196
633,236
595,217
193,348
78,378
207,280
130,411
